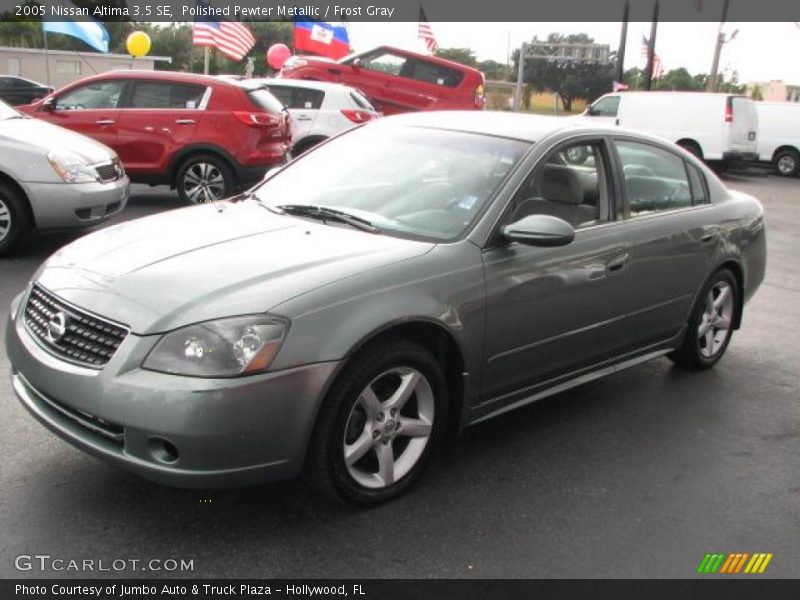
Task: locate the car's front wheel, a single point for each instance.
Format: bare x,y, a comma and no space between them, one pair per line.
14,220
378,424
711,325
204,178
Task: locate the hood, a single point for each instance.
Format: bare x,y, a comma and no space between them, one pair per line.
211,261
46,136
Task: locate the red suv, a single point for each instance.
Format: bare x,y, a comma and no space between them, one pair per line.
202,135
397,81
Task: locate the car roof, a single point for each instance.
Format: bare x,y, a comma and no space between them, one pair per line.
324,86
518,126
530,128
160,75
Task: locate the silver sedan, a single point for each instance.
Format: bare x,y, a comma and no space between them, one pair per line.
53,178
417,274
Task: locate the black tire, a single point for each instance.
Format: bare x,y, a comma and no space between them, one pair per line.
692,353
786,162
220,179
325,468
305,145
15,222
692,148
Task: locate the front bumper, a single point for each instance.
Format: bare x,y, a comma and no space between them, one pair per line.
70,205
225,432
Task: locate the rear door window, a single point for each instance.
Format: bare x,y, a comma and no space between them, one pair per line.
656,180
433,73
166,94
698,183
296,97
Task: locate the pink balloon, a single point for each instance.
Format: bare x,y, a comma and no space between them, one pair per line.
277,55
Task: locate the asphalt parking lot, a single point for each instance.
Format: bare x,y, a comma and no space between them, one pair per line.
635,475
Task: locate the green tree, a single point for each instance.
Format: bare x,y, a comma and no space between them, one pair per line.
494,71
464,56
570,79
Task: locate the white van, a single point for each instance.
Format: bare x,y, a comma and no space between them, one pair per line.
719,128
779,136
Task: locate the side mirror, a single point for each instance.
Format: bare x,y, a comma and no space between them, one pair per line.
540,230
48,104
591,111
356,64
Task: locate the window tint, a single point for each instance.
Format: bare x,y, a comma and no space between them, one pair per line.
384,63
164,94
293,97
655,179
361,101
432,73
5,82
698,182
605,107
96,95
569,185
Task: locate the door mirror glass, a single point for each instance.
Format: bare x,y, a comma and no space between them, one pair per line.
540,230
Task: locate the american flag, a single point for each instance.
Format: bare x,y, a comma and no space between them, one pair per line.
426,33
233,39
658,68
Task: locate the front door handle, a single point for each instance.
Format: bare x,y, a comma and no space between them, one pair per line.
709,235
104,122
184,122
303,118
617,264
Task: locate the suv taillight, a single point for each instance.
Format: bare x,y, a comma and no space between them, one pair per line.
257,119
358,116
480,98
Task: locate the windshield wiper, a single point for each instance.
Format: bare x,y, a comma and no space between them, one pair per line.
324,214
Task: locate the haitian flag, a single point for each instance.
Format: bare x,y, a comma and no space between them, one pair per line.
321,38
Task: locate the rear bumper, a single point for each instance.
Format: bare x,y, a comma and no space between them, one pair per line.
225,432
69,205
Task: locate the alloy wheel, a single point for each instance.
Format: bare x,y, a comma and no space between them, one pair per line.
5,220
716,320
388,427
786,164
203,182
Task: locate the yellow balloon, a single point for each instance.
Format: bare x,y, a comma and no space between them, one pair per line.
138,44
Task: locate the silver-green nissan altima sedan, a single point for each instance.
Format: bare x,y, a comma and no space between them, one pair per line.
417,273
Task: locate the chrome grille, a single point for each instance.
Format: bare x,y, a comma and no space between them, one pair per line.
71,333
110,171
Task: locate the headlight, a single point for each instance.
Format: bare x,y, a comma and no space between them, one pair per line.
71,167
223,348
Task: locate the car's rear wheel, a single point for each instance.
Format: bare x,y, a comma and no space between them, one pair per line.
14,219
787,162
204,178
711,325
378,424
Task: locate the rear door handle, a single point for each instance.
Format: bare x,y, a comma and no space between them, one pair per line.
104,122
184,122
617,264
303,118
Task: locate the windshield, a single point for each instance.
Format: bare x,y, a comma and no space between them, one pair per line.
6,112
408,181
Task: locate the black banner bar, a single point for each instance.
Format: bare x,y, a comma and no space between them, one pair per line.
733,588
403,10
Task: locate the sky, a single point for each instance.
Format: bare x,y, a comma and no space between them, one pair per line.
759,51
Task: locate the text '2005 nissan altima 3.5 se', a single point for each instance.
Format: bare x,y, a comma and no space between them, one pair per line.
417,272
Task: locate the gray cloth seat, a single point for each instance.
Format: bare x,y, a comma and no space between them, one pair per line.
561,195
